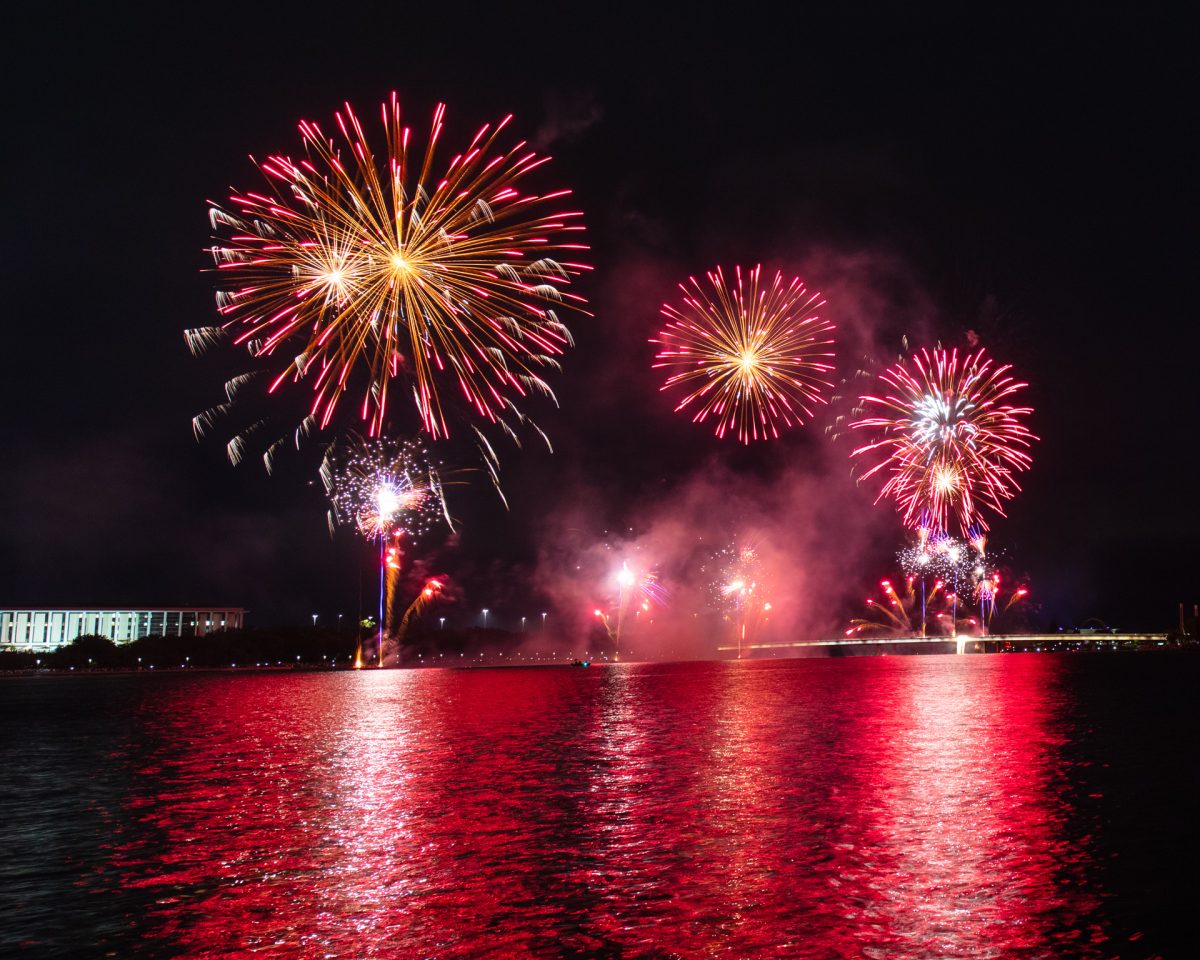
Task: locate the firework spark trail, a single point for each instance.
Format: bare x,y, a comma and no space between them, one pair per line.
897,616
1019,594
391,573
356,264
632,585
945,440
430,591
752,356
942,556
385,489
988,592
740,588
897,612
966,566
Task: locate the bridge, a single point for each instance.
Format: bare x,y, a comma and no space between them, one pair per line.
973,644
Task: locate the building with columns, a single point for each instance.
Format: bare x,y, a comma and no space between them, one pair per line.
40,631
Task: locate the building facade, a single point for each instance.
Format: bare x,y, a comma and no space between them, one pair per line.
40,631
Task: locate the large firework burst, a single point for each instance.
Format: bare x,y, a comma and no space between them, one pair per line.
352,269
946,440
753,356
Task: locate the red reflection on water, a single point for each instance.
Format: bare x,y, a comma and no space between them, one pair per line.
953,843
886,808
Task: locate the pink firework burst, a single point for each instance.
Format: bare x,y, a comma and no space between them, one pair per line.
946,438
752,356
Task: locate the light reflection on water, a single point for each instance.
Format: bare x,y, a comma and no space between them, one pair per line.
892,807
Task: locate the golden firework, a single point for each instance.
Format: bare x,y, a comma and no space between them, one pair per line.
353,269
752,356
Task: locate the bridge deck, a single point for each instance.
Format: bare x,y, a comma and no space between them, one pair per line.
1022,638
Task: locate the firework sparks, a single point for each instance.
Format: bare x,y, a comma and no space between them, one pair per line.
384,487
896,615
939,556
989,594
946,440
386,490
352,267
431,589
645,589
949,560
741,590
640,589
752,356
1018,595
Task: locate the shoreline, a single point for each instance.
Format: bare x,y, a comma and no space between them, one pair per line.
325,668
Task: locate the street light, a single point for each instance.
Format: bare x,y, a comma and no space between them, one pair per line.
522,624
485,613
543,621
441,623
314,616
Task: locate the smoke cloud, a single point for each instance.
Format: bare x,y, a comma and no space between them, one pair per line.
818,540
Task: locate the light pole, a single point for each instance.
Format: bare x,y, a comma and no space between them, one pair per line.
441,623
485,613
543,621
522,624
314,616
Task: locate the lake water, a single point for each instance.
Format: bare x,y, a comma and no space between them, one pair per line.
937,806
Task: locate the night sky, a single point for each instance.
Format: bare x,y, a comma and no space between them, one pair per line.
1021,183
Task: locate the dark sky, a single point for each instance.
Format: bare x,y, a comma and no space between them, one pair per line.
1026,179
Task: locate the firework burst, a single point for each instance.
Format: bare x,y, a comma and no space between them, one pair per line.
752,356
387,490
939,556
633,588
351,269
384,488
741,590
946,440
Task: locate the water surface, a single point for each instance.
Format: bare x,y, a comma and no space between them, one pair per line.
980,806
